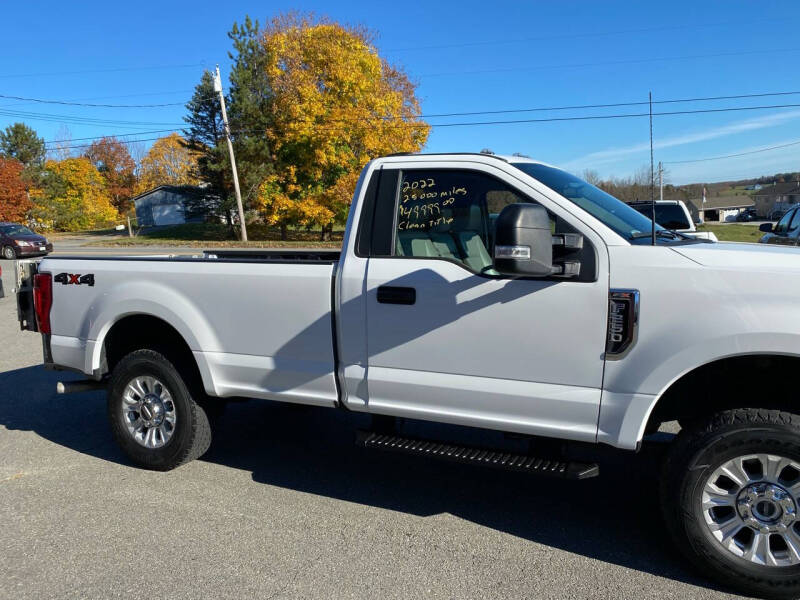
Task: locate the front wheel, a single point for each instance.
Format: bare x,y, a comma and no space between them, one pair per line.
9,253
731,498
153,416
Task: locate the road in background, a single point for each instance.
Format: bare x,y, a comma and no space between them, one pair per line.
284,506
75,245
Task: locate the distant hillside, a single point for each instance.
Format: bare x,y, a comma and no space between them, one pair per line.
638,187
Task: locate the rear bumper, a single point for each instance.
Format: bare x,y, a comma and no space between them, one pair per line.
62,353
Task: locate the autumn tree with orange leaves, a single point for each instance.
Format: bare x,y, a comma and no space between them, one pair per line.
168,162
14,201
116,165
334,104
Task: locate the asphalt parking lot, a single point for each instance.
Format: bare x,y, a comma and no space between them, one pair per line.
284,506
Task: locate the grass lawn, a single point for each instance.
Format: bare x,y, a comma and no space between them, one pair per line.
212,235
734,232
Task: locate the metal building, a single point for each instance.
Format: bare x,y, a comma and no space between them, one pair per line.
169,205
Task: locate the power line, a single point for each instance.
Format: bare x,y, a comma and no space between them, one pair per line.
695,160
608,63
522,121
116,136
612,105
90,120
67,103
581,35
73,147
112,70
18,104
75,119
615,116
420,116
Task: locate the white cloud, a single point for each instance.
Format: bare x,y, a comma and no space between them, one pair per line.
612,155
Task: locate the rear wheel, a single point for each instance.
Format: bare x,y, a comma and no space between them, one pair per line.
153,415
731,496
9,253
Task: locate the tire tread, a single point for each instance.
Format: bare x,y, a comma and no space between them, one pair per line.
198,438
689,443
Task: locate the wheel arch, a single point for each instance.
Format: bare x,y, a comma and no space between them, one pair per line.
135,331
730,382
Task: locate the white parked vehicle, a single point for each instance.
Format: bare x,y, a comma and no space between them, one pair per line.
675,216
491,292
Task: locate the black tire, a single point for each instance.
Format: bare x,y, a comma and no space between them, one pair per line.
695,455
191,437
9,253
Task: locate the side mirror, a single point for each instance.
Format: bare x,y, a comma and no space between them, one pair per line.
698,221
765,227
523,241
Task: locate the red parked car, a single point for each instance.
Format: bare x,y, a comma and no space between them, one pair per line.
17,241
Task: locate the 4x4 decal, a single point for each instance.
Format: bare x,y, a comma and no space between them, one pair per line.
74,279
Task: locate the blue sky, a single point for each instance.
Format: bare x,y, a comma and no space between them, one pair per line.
466,56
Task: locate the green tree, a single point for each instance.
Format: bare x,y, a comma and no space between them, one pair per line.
206,137
20,142
249,110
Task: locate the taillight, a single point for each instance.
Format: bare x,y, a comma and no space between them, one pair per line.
43,300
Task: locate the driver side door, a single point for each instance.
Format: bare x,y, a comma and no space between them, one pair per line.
450,339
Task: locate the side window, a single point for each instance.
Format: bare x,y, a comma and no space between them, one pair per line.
783,224
671,216
450,214
795,221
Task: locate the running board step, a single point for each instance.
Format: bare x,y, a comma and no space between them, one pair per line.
477,456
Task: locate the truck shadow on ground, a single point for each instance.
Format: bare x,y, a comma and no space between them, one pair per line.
614,518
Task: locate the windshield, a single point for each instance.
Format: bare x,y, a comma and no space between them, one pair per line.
626,221
15,230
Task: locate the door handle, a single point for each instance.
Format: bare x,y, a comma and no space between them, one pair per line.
388,294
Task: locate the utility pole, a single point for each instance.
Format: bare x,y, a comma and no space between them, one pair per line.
652,176
218,88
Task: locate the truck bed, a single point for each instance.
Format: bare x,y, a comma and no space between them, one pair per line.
259,323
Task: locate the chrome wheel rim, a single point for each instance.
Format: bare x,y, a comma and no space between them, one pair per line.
750,506
148,411
9,253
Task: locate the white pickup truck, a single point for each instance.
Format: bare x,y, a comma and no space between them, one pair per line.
675,216
478,290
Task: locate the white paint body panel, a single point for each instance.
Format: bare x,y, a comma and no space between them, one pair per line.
699,303
256,329
527,352
524,355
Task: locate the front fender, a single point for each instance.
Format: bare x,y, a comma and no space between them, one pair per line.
624,414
